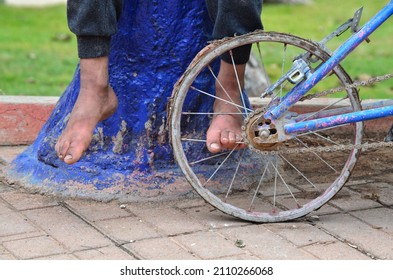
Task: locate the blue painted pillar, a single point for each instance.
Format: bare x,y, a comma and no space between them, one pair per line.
130,153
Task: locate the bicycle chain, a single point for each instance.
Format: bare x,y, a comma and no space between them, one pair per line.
356,84
334,148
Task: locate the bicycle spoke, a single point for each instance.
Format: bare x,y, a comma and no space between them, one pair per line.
322,129
237,80
318,156
210,113
275,185
323,109
221,164
193,140
325,138
288,188
215,97
223,88
300,173
268,82
208,158
283,67
259,185
233,177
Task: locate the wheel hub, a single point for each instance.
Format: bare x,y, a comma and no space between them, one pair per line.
260,133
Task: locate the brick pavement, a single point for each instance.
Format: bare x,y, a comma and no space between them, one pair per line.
355,226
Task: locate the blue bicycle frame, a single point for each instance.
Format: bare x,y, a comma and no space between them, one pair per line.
302,88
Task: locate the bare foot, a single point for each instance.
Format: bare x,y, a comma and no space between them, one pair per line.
225,130
224,133
96,102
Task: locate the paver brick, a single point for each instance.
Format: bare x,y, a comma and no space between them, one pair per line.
13,224
208,245
300,234
213,218
353,201
5,255
34,247
196,201
127,229
384,177
371,240
95,211
4,208
335,250
4,187
68,229
168,220
13,237
24,201
380,218
246,256
266,244
61,257
104,253
382,192
326,209
160,249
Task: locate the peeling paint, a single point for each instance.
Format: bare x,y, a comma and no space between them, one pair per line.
118,140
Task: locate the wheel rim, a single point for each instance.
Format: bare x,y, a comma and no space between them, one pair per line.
265,189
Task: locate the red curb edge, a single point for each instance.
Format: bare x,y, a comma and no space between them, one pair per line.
22,117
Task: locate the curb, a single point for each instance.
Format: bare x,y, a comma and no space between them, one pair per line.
22,117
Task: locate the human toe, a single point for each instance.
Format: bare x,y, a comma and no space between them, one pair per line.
73,154
214,147
61,148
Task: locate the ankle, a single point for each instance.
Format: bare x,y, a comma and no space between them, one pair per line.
94,74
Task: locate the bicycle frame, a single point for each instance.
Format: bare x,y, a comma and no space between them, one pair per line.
334,117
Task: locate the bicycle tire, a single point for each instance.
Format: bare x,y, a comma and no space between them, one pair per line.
277,211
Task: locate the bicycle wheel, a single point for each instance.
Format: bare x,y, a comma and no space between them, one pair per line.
259,183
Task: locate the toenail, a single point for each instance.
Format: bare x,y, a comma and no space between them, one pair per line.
215,146
68,157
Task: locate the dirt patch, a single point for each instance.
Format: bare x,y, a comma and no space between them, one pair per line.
374,164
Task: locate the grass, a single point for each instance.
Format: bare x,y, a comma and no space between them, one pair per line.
38,52
320,18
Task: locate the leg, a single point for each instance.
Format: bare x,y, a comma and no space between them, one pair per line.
225,130
96,102
230,17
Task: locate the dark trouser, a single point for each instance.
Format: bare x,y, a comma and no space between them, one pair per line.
95,21
235,17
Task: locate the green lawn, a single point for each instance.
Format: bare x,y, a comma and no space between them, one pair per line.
317,20
38,52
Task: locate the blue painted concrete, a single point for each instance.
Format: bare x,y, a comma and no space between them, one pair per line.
155,43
